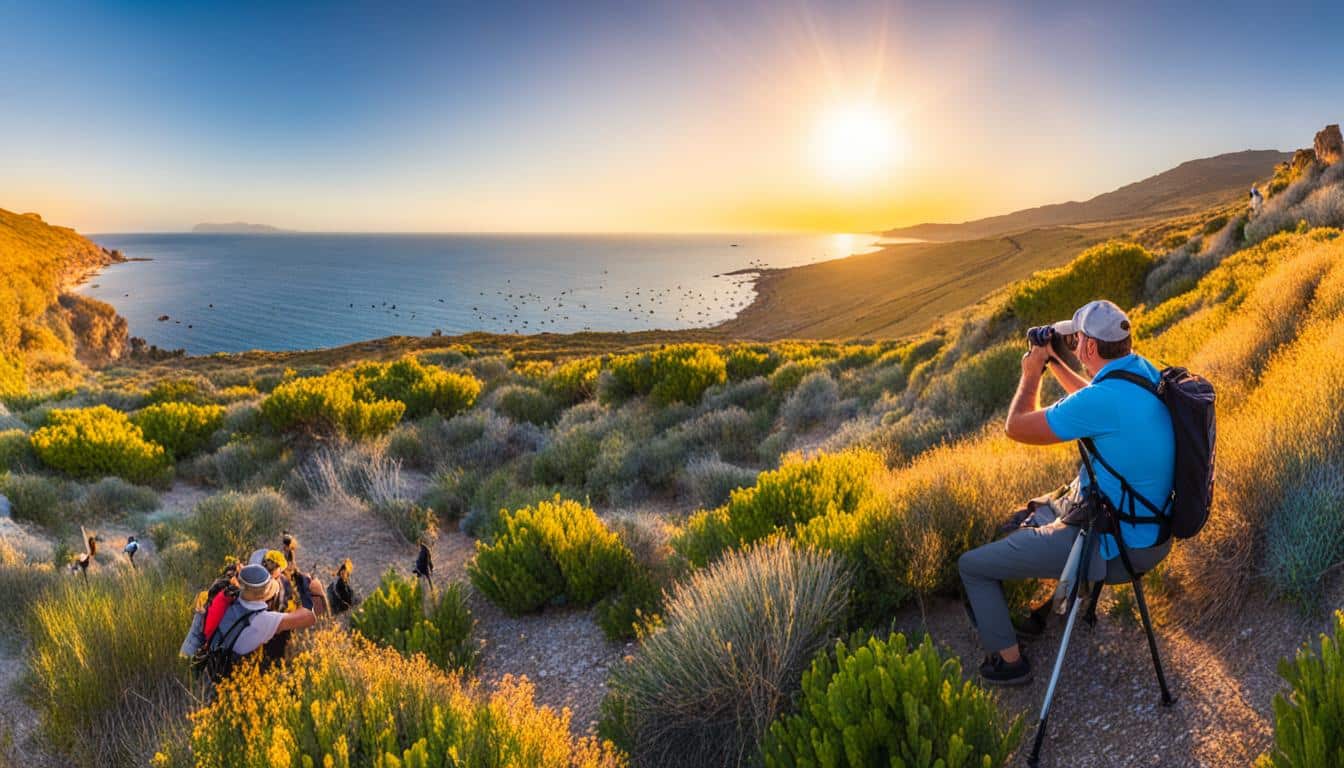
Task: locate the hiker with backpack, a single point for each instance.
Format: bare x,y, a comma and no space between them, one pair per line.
1127,430
249,623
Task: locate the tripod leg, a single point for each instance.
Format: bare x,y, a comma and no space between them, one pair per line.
1091,616
1074,604
1167,698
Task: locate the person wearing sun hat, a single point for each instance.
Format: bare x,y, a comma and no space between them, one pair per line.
249,623
294,591
1124,423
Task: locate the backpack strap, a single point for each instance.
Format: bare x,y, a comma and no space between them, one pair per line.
1133,378
1159,517
235,629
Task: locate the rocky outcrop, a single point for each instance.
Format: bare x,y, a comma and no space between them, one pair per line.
101,335
1302,160
1329,145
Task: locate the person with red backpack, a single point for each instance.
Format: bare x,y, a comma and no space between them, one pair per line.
1146,464
248,623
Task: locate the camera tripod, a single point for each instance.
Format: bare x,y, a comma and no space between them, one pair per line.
1084,548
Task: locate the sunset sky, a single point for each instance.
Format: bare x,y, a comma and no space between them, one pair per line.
632,116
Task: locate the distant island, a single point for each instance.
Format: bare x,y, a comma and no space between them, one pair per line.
237,228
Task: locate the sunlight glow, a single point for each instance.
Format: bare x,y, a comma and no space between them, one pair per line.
855,142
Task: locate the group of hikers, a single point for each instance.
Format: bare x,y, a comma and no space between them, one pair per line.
254,607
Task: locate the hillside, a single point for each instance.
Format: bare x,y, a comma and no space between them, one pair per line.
668,540
1190,186
41,325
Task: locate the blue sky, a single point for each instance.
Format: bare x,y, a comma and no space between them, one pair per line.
630,116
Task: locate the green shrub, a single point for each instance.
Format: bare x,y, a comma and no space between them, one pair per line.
1216,223
113,497
345,702
784,499
395,615
678,373
233,524
883,703
523,403
1112,270
16,451
569,455
788,376
633,609
191,390
180,428
334,404
812,402
35,498
703,688
107,678
554,548
410,520
23,583
1309,721
749,361
243,464
423,389
978,386
1306,537
95,442
709,481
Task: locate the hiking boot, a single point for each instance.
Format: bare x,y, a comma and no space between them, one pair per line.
996,671
1033,627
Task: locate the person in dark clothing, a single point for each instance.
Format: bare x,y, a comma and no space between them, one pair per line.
424,564
340,595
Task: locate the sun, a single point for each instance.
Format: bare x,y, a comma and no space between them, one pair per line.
855,141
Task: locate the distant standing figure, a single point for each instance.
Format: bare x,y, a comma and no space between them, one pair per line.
82,562
1257,200
424,564
132,546
340,595
290,547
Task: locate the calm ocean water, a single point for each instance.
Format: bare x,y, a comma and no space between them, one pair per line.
228,293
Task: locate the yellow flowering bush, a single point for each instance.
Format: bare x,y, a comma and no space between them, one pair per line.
346,702
99,441
555,548
423,389
181,428
333,404
677,373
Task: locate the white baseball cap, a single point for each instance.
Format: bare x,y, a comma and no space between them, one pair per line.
1100,319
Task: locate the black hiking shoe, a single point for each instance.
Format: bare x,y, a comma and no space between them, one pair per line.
996,671
1033,627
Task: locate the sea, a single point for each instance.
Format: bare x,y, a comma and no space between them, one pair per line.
210,293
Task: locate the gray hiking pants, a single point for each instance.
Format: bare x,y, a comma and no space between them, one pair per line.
1031,553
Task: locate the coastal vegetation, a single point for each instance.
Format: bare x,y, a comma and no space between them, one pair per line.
730,507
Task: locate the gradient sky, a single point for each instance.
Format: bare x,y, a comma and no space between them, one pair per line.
629,116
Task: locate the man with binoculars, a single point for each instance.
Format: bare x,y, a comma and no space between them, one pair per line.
1130,428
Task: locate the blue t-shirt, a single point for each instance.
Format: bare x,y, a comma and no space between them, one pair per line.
1132,431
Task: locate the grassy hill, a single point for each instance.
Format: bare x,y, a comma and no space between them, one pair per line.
1189,187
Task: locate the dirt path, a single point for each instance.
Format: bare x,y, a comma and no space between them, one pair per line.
563,652
1106,710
